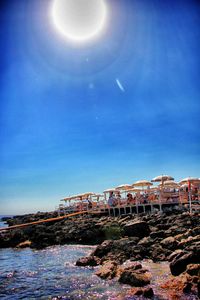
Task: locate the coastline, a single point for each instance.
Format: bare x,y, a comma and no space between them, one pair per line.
172,237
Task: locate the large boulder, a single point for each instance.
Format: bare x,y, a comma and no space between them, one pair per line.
129,264
176,287
108,270
138,277
181,260
42,237
158,253
12,238
146,292
146,242
88,261
175,254
169,243
137,228
103,249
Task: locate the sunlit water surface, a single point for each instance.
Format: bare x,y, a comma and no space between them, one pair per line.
51,274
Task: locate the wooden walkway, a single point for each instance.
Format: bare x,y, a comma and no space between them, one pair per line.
43,221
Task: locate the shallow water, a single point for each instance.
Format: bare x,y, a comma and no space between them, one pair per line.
3,224
29,274
51,274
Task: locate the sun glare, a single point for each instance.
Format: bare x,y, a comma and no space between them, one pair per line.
79,20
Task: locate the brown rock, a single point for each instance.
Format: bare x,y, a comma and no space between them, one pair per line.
88,261
137,228
103,249
134,265
180,262
175,287
108,270
184,283
169,243
145,292
24,244
157,234
193,269
133,277
174,254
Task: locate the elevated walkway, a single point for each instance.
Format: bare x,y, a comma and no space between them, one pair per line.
113,211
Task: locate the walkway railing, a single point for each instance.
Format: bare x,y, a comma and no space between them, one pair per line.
42,221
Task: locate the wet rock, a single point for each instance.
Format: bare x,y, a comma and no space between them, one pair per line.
131,265
175,287
134,277
137,228
144,292
88,261
108,270
183,284
119,258
103,249
118,250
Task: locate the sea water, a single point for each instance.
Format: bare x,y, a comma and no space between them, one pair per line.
49,273
3,224
52,274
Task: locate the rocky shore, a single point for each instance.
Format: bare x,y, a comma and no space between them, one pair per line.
123,243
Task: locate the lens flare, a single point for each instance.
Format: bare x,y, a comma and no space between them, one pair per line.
79,20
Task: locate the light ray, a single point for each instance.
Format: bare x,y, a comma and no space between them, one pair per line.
120,85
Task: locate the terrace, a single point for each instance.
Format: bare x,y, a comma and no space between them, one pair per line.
140,197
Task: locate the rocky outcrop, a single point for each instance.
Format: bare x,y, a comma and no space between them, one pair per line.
147,236
91,261
12,238
162,237
137,228
181,260
182,284
135,277
193,269
80,230
169,243
108,270
133,274
146,292
171,236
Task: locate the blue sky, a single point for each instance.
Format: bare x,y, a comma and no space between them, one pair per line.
67,127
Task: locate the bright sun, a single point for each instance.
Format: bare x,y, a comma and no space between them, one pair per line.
79,20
